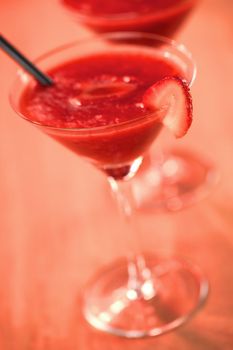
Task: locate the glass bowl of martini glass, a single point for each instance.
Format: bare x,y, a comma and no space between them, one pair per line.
110,99
170,179
162,17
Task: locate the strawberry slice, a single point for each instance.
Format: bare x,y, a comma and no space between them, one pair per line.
171,98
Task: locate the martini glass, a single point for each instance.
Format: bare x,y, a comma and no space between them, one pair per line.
170,179
140,295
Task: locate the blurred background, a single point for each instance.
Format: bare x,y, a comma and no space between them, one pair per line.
57,216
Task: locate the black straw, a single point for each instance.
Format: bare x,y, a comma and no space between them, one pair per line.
24,62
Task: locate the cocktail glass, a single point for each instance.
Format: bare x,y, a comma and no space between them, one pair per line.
141,295
171,179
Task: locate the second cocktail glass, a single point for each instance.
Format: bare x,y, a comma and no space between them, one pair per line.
141,295
173,178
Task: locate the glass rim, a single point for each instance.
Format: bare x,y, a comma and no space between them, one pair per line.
114,35
121,17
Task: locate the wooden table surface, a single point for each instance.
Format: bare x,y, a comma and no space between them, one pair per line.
58,222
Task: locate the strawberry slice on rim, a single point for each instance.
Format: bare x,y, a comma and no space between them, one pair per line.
170,97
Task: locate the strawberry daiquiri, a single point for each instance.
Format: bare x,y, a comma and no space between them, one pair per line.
109,96
163,17
109,101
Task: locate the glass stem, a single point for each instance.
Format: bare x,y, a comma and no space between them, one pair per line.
139,276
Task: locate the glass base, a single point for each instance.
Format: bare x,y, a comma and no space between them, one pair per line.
172,294
174,182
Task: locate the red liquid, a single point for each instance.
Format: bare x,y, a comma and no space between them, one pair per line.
163,17
101,97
